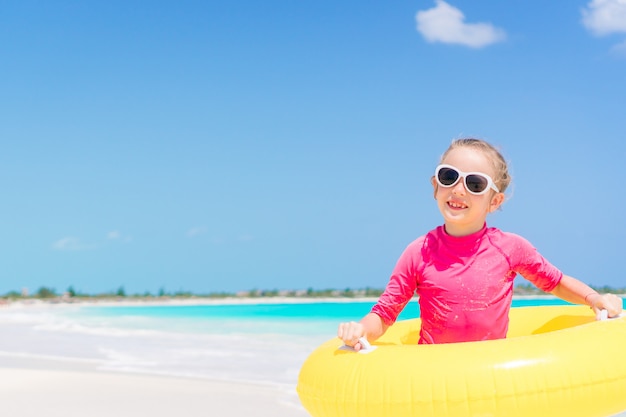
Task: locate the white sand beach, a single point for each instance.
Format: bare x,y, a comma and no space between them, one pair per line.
55,368
36,387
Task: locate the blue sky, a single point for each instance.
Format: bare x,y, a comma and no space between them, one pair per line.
225,146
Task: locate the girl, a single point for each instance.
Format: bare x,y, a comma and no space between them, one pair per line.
463,271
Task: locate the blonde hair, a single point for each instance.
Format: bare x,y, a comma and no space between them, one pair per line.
502,178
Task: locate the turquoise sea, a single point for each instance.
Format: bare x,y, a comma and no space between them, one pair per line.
251,318
258,341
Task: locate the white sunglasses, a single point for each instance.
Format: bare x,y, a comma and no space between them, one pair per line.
476,183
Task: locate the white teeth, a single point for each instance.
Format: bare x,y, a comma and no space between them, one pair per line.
456,205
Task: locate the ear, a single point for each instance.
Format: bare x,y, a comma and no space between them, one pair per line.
434,183
496,202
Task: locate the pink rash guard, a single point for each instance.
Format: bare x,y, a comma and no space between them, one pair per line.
465,284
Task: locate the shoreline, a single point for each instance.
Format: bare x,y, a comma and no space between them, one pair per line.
216,301
100,380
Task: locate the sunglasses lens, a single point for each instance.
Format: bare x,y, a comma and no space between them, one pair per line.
476,183
447,176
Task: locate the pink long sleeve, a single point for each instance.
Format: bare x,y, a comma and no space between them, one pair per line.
465,284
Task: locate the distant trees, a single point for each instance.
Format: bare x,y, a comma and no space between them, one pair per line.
45,292
13,294
48,293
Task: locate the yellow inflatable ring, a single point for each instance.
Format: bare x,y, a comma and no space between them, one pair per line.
556,361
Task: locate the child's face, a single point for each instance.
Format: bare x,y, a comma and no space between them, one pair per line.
465,213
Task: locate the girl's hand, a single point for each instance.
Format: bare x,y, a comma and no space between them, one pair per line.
609,302
350,333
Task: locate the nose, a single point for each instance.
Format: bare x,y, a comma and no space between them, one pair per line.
459,187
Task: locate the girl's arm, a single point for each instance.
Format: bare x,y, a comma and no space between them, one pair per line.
371,326
574,291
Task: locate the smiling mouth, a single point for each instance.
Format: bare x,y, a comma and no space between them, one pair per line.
456,205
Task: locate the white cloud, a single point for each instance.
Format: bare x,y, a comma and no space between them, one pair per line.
71,244
118,236
445,23
113,235
603,17
196,231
